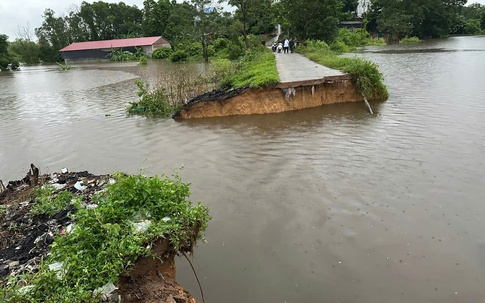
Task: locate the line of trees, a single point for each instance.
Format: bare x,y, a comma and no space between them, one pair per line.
203,21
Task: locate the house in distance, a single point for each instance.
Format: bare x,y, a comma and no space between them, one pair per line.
100,50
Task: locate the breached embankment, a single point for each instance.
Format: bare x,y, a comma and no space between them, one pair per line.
26,236
282,97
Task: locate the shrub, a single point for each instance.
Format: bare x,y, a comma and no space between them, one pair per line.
220,44
162,53
178,55
194,49
152,103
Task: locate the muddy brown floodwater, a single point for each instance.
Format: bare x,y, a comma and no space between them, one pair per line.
320,205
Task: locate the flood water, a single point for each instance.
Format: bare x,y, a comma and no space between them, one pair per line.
328,204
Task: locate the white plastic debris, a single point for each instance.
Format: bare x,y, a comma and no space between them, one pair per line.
142,226
112,181
25,289
57,267
106,290
69,228
58,186
165,219
79,185
64,170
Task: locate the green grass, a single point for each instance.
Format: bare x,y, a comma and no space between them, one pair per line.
257,68
368,79
104,241
46,203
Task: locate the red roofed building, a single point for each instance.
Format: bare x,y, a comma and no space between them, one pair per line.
95,50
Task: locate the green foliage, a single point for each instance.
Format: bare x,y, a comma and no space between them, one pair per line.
45,203
221,71
472,27
7,59
368,79
312,19
152,103
424,19
257,68
119,55
105,241
162,53
64,67
143,60
178,56
194,49
409,40
27,51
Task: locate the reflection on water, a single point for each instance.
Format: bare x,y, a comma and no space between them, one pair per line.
325,204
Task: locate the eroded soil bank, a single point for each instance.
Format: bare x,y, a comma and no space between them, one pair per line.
280,98
25,238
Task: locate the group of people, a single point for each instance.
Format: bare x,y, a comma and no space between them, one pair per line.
285,45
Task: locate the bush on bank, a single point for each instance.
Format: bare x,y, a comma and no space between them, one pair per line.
152,102
368,79
105,241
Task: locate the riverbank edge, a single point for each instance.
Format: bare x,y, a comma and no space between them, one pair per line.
149,278
278,98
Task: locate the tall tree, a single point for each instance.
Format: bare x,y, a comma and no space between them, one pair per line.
7,60
313,19
53,35
204,9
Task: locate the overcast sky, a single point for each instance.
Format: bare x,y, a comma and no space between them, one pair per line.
28,13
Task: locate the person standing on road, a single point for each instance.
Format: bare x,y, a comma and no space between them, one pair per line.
292,45
286,45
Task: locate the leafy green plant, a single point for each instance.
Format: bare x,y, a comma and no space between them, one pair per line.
143,60
105,241
46,203
152,103
162,53
64,67
178,55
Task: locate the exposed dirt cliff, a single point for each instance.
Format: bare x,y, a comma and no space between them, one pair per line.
280,98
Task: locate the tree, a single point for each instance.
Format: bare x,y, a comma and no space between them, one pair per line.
53,35
313,19
7,60
202,22
28,51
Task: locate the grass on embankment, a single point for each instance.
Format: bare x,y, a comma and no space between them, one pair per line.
368,79
257,68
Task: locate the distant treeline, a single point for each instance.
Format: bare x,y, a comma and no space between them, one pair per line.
203,21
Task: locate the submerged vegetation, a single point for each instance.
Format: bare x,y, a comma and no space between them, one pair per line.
131,214
409,40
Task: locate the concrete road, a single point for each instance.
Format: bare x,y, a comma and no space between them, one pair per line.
294,67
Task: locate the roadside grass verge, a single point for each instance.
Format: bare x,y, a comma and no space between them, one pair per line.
257,68
368,79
